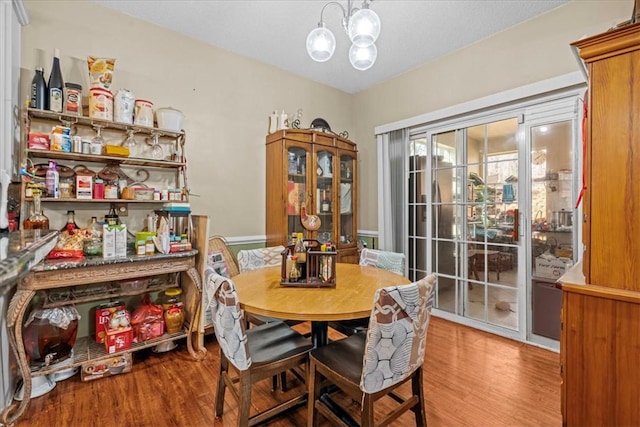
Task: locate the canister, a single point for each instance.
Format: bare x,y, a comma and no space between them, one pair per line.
100,104
123,106
73,99
143,113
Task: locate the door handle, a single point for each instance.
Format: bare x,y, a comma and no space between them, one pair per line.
516,225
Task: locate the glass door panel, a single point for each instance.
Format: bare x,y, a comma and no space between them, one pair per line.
474,195
552,225
324,194
345,201
297,186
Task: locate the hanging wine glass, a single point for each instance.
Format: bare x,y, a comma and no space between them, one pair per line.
97,143
156,150
130,142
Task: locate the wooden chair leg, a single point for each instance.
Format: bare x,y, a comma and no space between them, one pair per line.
313,384
224,370
367,411
283,381
418,409
245,398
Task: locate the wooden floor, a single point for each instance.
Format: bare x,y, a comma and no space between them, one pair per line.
472,378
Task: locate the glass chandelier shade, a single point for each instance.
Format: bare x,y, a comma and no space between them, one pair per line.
321,43
363,58
364,27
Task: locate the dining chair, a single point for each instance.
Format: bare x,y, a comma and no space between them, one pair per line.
250,356
387,260
220,256
369,366
253,259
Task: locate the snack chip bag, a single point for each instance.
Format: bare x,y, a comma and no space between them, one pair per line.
101,71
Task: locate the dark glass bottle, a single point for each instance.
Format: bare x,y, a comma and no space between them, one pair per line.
71,225
39,95
56,85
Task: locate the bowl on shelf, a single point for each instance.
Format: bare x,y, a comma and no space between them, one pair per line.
134,285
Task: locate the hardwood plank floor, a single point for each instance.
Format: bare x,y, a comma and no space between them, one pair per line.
472,378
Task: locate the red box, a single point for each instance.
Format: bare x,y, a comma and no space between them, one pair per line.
38,141
118,339
103,317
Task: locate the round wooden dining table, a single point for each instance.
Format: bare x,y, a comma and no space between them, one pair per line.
260,292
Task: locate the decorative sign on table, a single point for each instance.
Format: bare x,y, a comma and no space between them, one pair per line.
313,268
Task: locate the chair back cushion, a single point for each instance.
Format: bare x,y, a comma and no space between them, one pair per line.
228,322
392,261
397,334
253,259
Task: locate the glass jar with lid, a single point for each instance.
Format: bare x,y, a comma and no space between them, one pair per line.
173,310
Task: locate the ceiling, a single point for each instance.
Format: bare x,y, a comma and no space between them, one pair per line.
274,31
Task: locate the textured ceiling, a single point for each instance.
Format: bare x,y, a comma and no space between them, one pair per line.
274,32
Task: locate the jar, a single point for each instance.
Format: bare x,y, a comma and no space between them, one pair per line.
141,248
67,187
98,189
173,310
110,191
100,104
73,99
150,247
143,113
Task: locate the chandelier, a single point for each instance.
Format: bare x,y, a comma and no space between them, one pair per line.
363,27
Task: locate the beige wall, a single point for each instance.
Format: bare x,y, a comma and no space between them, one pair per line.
227,98
533,51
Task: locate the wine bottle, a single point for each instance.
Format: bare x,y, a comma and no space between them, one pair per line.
325,206
39,96
56,85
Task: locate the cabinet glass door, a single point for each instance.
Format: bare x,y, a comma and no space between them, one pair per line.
324,195
345,201
297,187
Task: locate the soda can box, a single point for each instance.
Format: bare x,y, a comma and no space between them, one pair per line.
103,317
115,365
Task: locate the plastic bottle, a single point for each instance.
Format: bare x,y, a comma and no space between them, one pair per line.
56,85
52,181
38,98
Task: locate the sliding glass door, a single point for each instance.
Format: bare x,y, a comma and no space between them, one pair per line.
471,203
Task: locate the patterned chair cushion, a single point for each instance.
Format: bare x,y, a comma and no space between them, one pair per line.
397,334
227,318
253,259
392,261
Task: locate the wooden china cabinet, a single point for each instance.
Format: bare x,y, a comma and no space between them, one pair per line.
600,340
314,171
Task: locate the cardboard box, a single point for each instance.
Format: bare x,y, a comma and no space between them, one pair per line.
118,339
103,316
93,370
551,268
84,186
114,241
